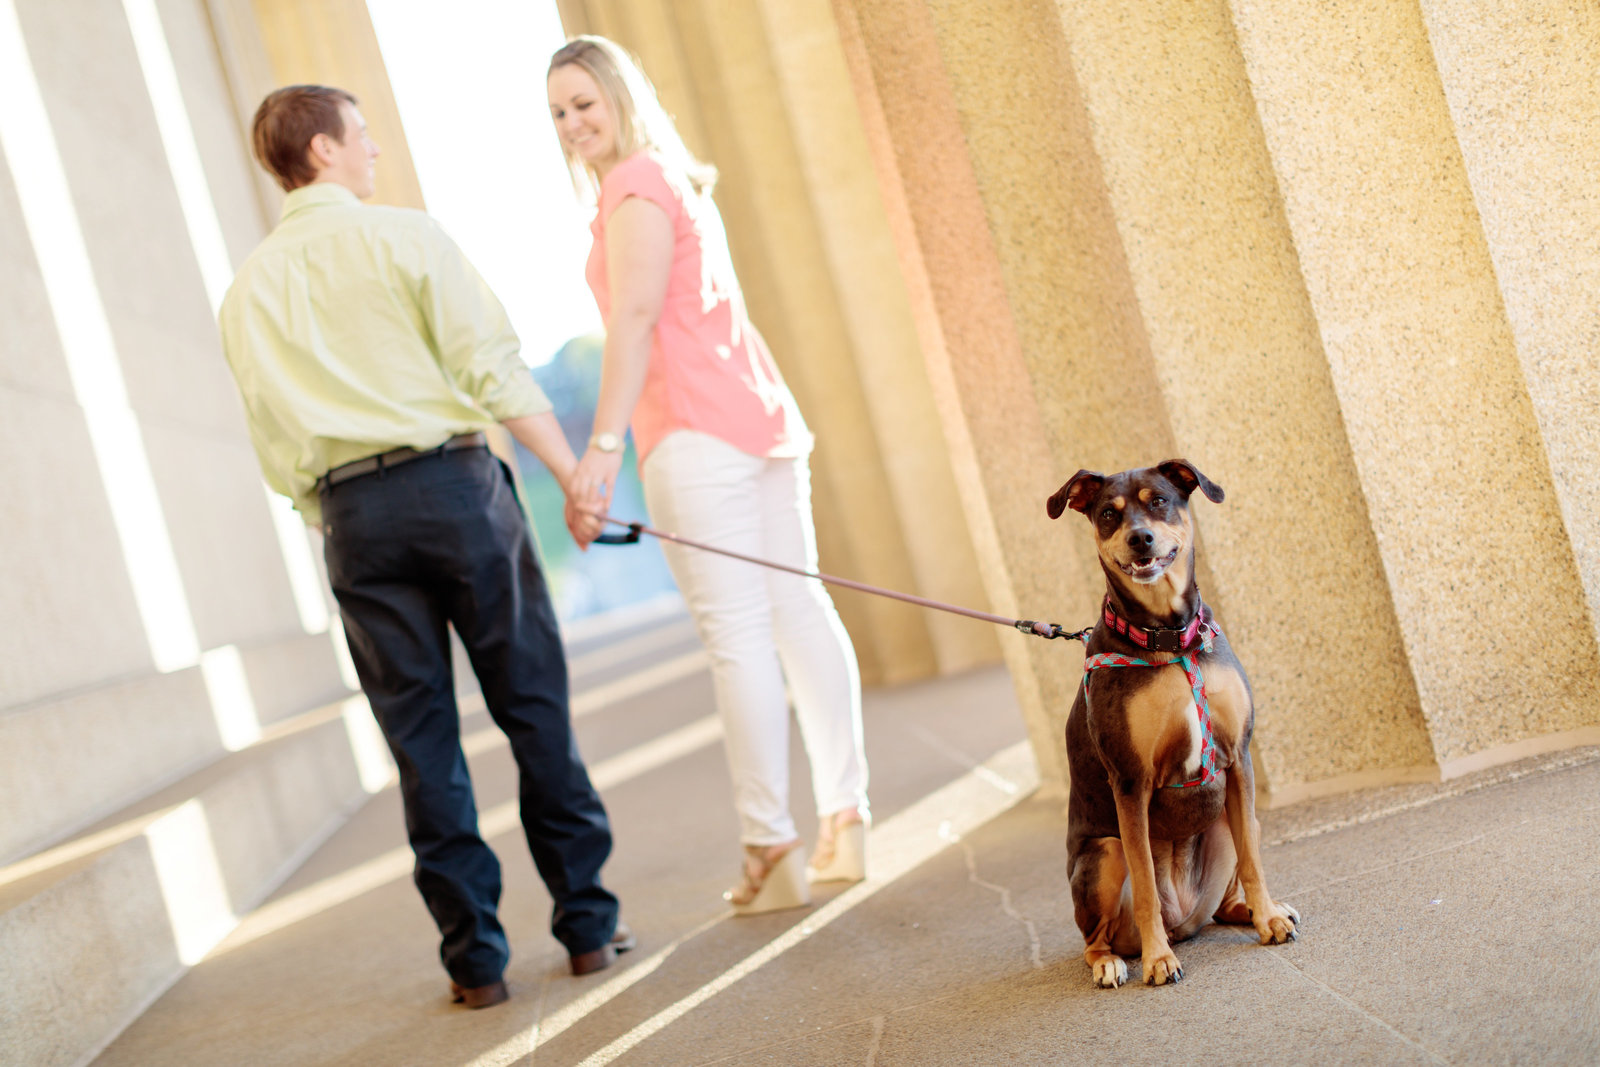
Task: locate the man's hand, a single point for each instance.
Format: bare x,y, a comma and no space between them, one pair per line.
583,525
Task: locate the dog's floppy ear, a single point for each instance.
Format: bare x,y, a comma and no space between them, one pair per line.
1187,477
1080,489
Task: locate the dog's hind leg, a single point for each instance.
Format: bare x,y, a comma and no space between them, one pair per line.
1100,905
1233,911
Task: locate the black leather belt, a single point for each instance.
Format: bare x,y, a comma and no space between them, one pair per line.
396,457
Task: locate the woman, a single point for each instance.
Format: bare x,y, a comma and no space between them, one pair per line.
723,456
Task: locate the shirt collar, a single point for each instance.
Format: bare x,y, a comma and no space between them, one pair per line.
317,194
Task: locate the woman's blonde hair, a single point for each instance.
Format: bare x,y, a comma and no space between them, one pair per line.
641,121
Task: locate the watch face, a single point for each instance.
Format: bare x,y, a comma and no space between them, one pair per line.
607,442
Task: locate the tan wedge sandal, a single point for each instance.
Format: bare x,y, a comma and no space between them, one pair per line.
773,878
841,853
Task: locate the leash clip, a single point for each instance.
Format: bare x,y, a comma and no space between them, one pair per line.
1049,630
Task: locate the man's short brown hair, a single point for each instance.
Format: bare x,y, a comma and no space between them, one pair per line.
285,123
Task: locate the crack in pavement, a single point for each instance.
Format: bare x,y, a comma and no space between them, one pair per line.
878,1023
1278,958
971,857
1451,846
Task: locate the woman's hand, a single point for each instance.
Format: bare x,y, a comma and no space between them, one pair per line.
589,493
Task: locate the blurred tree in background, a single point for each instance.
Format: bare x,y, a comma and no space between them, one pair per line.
607,576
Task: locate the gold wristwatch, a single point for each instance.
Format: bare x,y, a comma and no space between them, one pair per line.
606,442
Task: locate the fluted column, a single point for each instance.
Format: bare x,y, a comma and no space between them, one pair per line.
884,359
1520,82
1010,257
1245,234
1445,436
1295,569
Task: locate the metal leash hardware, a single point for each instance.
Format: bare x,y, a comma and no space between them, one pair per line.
1051,630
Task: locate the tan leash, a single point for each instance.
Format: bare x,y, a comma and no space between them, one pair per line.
1046,630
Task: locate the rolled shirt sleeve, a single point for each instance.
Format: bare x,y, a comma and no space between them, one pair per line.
355,330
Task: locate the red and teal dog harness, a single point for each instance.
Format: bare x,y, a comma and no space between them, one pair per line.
1198,627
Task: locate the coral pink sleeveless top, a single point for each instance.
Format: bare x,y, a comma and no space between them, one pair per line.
709,369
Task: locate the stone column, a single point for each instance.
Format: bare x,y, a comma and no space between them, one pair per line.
1294,564
1445,436
1022,303
1522,87
885,359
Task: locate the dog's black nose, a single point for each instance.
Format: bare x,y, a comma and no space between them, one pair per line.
1141,539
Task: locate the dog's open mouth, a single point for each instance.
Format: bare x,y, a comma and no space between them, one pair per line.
1147,569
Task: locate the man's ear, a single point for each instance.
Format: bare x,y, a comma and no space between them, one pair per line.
319,151
1187,477
1077,494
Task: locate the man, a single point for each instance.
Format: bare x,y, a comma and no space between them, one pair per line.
371,357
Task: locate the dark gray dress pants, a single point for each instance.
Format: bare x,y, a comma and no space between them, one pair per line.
441,540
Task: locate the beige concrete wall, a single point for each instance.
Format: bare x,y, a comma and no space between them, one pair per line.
1434,399
1245,382
1291,246
1523,89
760,90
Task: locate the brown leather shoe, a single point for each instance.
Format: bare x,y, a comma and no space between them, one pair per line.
604,956
483,996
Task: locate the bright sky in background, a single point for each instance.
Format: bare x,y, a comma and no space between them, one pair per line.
469,79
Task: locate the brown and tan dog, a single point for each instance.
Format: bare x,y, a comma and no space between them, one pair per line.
1158,803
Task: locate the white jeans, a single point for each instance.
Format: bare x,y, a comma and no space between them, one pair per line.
762,626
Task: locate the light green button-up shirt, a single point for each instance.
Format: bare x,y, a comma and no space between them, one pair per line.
353,330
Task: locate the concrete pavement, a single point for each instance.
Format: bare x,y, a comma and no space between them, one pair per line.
1449,924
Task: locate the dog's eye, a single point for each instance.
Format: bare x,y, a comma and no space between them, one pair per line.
1159,502
1108,515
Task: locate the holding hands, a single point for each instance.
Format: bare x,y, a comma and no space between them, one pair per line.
582,523
586,482
589,490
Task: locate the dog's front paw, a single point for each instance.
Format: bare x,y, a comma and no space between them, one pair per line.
1110,972
1278,925
1162,969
